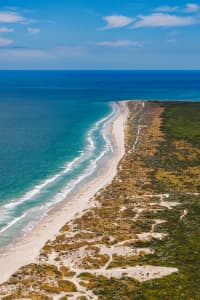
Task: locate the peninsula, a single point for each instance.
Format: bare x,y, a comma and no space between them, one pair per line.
137,237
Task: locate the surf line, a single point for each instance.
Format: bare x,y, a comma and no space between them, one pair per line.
72,184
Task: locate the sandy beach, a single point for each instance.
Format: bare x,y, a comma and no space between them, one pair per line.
27,250
119,229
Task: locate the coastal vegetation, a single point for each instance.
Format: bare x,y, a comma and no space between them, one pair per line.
139,240
179,174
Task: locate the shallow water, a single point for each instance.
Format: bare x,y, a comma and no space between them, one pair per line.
53,132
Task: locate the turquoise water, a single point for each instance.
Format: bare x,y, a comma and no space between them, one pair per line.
54,132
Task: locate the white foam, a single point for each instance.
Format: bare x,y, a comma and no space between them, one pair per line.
13,222
89,170
84,155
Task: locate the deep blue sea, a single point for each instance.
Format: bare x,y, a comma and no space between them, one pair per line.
54,132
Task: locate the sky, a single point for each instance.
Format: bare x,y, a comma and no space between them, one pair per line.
99,34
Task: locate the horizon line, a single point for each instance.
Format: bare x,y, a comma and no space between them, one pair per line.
127,70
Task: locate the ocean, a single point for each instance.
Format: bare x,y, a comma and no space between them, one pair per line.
54,132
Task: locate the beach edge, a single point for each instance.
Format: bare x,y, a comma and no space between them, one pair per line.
27,249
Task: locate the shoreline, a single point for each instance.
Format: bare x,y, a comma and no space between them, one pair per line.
12,257
125,243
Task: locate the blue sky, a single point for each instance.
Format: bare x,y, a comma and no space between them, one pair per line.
99,34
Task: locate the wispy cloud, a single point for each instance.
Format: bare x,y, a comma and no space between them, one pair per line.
40,54
22,53
11,17
120,43
172,41
188,8
5,42
116,21
163,20
11,8
163,16
166,8
68,51
192,7
6,29
32,30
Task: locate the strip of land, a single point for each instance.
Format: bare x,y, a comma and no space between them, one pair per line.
138,238
27,250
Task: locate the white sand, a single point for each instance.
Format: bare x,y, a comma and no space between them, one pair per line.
148,236
141,273
27,250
